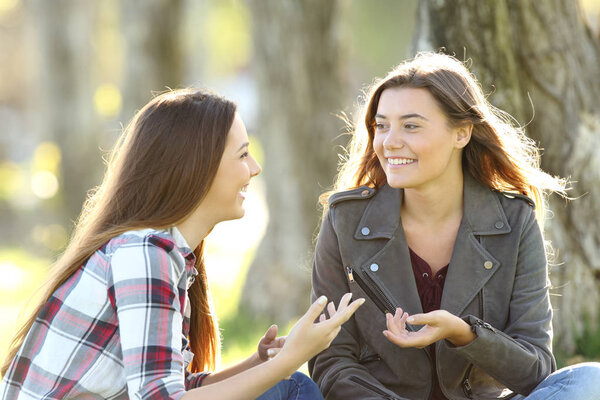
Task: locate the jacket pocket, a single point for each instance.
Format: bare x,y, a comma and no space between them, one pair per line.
372,388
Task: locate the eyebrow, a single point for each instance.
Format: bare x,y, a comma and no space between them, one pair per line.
244,145
405,116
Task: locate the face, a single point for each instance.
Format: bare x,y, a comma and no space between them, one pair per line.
227,193
414,143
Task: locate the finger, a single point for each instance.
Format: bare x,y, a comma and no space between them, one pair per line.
279,342
422,319
344,301
331,309
271,333
273,352
344,315
322,317
392,324
315,309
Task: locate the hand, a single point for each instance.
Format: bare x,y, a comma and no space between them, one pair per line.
307,338
438,325
269,345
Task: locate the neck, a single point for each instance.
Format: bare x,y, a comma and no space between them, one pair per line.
196,227
434,203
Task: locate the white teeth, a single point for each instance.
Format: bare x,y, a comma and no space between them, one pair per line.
244,189
400,161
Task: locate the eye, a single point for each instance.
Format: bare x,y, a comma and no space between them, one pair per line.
379,126
245,155
410,126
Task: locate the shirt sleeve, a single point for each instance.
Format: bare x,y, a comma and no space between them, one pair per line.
143,282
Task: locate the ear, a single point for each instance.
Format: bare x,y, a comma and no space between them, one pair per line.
463,135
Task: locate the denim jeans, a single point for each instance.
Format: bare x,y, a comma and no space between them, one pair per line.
579,381
298,387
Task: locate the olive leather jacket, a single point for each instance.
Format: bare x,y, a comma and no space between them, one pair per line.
497,282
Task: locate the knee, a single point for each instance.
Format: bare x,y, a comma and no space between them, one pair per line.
587,369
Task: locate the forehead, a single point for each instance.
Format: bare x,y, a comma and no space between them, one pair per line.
237,134
403,101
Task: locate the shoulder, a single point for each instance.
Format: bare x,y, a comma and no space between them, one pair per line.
145,252
359,193
507,197
142,238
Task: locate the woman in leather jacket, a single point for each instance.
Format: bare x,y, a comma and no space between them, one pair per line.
437,221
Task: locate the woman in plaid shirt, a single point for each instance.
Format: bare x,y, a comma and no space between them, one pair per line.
127,311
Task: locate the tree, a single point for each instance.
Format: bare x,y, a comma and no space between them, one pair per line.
154,59
297,67
540,55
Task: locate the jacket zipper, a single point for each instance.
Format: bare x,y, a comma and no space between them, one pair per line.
372,388
372,290
466,385
384,304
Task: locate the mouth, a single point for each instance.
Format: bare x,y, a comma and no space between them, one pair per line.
243,191
400,161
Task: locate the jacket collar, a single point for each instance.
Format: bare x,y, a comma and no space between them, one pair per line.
481,211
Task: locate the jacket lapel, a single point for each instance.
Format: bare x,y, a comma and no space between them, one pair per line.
471,265
381,220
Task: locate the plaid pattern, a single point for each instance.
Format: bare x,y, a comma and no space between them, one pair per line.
116,329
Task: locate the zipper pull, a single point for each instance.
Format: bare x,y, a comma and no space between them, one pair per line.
350,274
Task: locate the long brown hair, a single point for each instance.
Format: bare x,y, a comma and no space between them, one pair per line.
160,169
499,155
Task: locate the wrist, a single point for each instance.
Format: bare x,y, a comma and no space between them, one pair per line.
463,334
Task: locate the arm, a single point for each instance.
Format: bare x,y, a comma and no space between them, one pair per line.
521,355
335,368
305,340
268,346
144,292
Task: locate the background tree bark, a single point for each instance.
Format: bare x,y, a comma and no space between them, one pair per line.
297,65
539,55
64,102
154,59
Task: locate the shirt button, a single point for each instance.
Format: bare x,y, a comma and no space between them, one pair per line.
374,267
488,265
364,193
365,231
499,225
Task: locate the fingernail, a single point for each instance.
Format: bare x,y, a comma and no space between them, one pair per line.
270,352
361,301
410,320
322,300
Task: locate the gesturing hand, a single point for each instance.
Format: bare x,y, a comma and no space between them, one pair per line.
438,325
307,338
269,345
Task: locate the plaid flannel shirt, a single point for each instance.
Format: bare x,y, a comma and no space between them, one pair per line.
116,329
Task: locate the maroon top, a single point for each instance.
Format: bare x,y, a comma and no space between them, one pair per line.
430,292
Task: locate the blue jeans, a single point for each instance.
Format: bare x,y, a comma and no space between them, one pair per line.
298,387
579,381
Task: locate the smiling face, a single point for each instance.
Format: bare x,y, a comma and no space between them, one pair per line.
415,144
227,193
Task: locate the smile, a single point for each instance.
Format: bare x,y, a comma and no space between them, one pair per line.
401,161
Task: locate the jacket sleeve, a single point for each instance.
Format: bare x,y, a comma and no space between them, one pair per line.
520,356
337,370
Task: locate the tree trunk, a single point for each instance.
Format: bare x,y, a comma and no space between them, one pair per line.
65,100
154,60
539,55
298,71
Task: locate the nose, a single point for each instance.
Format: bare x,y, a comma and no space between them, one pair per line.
255,168
393,140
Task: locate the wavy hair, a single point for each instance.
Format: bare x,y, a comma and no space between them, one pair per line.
160,169
499,155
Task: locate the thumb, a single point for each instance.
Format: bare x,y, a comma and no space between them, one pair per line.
316,308
271,333
418,319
